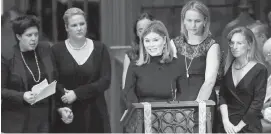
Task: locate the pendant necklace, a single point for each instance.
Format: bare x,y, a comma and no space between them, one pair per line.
188,66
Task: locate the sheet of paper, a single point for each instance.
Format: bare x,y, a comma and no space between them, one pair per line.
39,87
45,92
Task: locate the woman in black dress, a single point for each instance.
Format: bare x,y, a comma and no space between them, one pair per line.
244,85
28,64
198,53
153,76
85,73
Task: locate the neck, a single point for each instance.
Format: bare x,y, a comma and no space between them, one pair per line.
77,42
241,61
194,39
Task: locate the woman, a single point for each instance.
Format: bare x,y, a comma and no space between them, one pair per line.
266,121
244,85
132,55
153,76
260,32
85,72
28,64
198,53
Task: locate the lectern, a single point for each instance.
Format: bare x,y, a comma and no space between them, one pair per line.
169,117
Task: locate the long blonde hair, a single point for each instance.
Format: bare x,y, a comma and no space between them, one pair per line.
200,8
159,28
252,55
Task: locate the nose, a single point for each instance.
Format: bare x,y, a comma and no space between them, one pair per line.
33,37
234,46
194,24
79,27
149,44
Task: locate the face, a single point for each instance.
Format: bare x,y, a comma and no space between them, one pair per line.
260,37
194,22
29,39
76,27
154,44
238,45
141,25
267,55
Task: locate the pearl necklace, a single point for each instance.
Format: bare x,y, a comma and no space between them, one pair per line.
29,68
74,48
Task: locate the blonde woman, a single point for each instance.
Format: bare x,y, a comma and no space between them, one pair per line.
244,85
85,72
153,76
198,53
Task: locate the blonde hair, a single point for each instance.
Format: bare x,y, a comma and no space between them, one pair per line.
71,12
200,8
159,28
252,55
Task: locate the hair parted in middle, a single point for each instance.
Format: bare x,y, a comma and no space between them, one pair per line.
252,55
201,8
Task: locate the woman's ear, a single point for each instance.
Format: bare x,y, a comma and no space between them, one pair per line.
19,37
66,27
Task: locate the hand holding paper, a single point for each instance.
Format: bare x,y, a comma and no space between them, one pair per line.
43,90
29,97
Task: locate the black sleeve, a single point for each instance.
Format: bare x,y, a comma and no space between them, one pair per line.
260,83
129,94
6,93
59,87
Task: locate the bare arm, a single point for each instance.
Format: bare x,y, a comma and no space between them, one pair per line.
212,66
126,64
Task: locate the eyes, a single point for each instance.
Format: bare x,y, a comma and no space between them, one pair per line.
149,40
196,21
231,43
31,34
80,24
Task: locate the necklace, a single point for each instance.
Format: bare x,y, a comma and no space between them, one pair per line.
74,48
29,68
188,66
240,67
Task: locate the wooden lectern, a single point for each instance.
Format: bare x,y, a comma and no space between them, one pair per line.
168,117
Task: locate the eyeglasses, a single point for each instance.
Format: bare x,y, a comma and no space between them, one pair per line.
231,44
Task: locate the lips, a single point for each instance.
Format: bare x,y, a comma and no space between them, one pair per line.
152,49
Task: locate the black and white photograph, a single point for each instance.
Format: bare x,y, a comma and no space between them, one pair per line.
136,66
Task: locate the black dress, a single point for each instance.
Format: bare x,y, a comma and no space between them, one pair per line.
88,81
151,82
189,86
36,123
245,101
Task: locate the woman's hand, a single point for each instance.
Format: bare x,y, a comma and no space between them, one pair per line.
267,114
229,127
30,97
66,115
69,97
